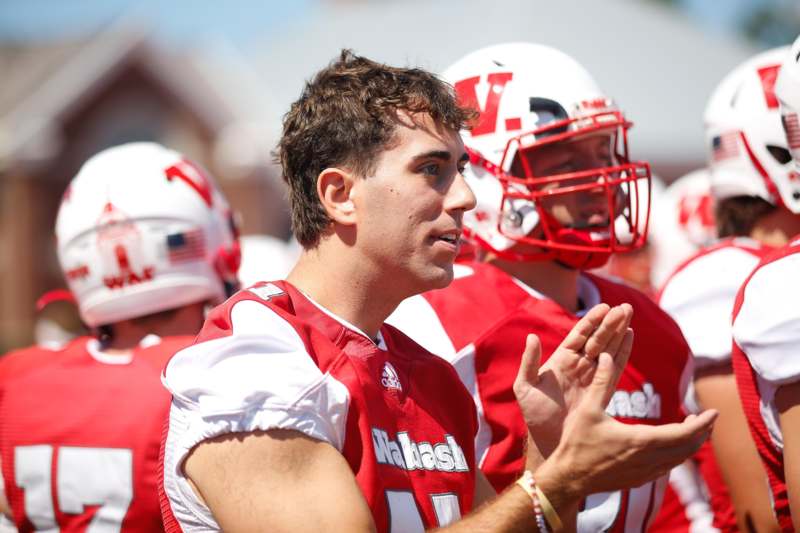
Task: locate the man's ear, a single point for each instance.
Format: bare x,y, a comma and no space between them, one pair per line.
335,188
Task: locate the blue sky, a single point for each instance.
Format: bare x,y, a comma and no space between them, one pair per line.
177,21
243,22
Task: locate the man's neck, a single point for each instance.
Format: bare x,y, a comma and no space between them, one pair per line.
777,228
126,335
347,286
557,282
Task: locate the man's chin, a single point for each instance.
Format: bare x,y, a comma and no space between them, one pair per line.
437,278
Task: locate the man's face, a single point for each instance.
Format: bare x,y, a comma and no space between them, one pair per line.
410,208
586,208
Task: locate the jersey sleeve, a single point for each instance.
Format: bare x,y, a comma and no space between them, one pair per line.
700,299
767,326
259,377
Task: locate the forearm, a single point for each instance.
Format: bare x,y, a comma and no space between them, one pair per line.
513,510
735,451
787,400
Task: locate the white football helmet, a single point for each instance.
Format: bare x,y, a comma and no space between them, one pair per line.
531,96
682,223
748,154
266,258
787,89
142,229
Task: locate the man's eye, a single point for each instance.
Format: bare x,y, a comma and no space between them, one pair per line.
431,169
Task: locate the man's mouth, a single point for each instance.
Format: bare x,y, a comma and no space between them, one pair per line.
450,237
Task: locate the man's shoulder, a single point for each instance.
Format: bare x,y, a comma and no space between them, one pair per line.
259,299
722,266
786,254
766,316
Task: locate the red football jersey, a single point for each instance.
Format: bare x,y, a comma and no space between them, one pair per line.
80,434
689,505
766,326
399,415
485,303
699,296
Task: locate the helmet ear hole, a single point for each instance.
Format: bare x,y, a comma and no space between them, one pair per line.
780,154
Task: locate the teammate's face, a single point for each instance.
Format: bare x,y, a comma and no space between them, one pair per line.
583,209
410,209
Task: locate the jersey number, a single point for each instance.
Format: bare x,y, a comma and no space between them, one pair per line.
101,477
404,514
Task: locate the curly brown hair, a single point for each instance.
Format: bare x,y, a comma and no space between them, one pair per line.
346,116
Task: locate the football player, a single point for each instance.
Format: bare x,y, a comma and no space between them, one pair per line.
299,410
749,170
766,332
682,222
145,243
557,194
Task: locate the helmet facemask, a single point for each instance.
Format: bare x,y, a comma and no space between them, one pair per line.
571,194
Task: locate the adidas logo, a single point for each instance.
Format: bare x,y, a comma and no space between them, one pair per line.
389,378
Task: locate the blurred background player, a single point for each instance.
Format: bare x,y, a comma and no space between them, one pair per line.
266,257
749,170
681,222
145,242
766,333
556,194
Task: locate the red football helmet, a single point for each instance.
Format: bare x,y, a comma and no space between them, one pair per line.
549,159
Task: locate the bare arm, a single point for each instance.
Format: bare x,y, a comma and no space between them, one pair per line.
279,480
268,480
787,400
735,450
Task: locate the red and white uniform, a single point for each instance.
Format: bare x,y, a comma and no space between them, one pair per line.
79,435
699,295
487,359
685,508
766,336
271,358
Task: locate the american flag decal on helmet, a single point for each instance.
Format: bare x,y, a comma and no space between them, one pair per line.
186,246
791,125
725,146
